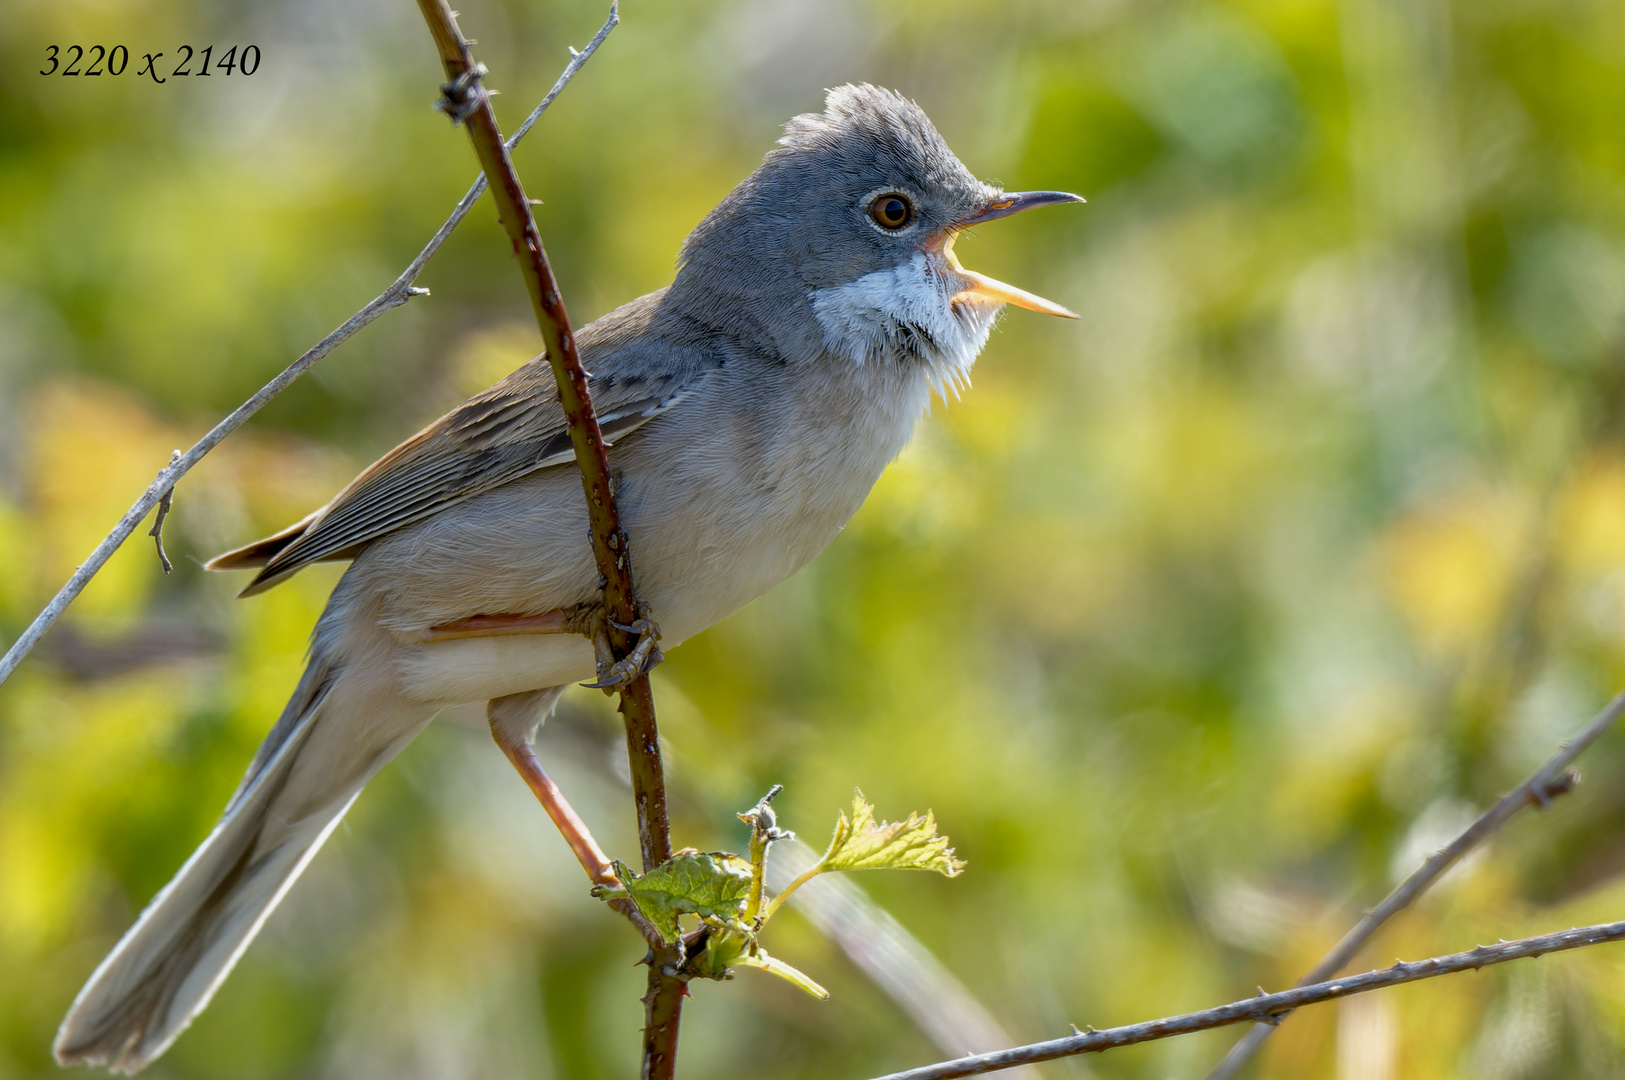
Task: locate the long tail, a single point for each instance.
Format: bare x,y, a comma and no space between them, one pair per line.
342,725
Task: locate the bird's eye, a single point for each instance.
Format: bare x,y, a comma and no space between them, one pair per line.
891,211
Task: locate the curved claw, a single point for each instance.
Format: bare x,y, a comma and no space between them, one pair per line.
637,663
639,626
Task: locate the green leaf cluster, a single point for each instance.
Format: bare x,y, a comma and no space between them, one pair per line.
710,885
724,891
860,843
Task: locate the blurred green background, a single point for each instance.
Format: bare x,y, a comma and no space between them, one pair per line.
1197,622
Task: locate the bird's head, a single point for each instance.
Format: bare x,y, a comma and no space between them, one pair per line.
844,238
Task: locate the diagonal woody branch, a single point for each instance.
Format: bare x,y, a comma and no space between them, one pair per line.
1268,1008
162,488
471,104
468,102
1551,780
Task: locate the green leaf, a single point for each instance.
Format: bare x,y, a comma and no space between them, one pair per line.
860,843
722,951
784,971
728,948
712,885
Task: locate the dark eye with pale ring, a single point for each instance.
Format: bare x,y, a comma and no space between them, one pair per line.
891,212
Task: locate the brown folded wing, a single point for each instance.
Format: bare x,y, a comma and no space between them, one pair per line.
510,430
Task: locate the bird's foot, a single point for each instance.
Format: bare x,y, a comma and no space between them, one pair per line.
589,620
614,674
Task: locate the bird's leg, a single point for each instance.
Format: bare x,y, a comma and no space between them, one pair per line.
589,620
513,720
573,620
645,654
518,750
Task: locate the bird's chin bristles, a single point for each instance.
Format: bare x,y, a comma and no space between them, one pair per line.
914,314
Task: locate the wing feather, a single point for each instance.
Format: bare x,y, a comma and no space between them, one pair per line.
513,429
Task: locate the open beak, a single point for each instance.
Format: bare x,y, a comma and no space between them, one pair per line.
983,287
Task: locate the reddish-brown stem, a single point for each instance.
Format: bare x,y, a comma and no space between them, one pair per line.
609,542
468,101
663,1008
397,294
648,780
608,539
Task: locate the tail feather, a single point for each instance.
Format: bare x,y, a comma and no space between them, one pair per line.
167,967
259,552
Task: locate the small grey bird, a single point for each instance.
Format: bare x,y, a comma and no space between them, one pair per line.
751,405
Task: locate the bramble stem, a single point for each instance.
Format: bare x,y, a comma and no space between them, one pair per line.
468,102
398,293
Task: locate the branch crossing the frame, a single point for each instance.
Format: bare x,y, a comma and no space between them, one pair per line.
1546,783
467,100
1552,779
1268,1008
400,291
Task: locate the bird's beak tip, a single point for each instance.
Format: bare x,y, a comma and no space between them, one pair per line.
986,288
1014,202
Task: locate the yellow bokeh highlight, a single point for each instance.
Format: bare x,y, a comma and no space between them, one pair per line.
1589,522
1449,567
92,450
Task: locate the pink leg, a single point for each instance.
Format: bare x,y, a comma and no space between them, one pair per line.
557,621
574,830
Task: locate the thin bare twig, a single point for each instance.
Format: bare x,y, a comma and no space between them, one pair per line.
165,503
1546,783
1269,1008
468,102
894,960
398,293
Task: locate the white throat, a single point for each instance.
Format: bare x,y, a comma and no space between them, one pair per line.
907,315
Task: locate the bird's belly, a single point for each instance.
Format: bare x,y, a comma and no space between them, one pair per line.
705,541
687,591
701,550
478,669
